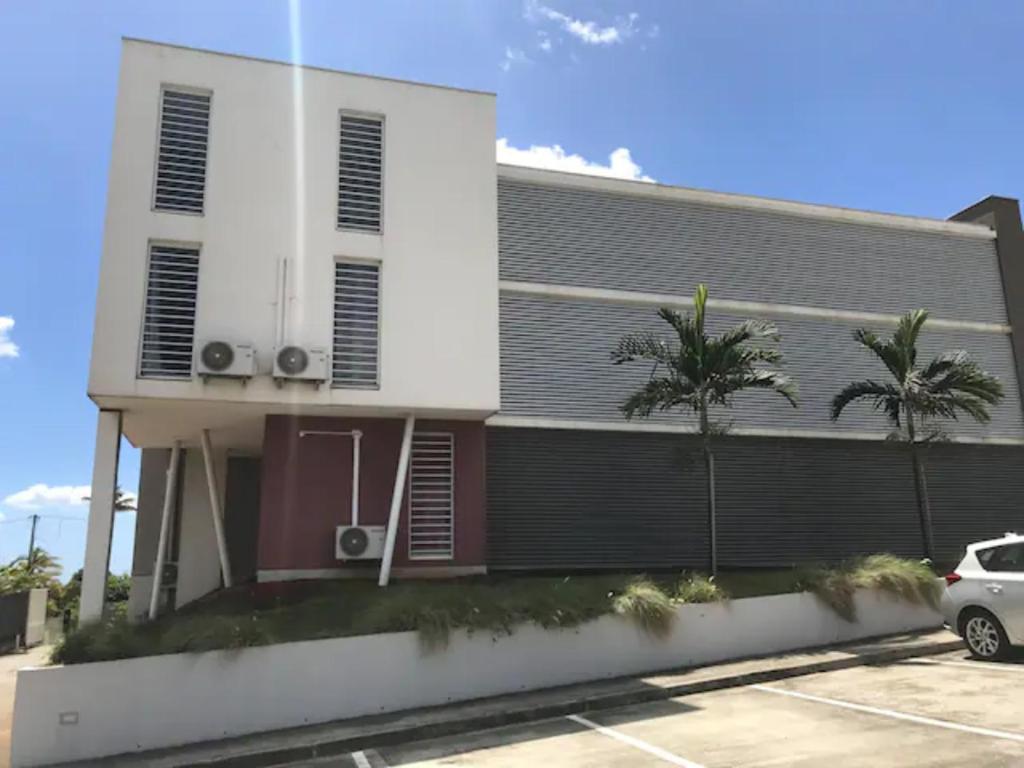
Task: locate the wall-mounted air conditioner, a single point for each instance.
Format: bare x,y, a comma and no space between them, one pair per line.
226,359
294,363
359,542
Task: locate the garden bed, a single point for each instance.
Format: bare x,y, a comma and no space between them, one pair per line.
272,614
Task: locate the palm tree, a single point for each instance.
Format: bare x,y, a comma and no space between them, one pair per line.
943,388
123,502
699,372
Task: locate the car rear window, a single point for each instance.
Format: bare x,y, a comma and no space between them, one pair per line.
1008,557
985,557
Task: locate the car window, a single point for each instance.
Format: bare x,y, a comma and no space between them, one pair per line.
1008,558
985,557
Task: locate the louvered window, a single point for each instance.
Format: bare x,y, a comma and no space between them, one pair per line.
432,496
181,160
356,325
170,314
360,168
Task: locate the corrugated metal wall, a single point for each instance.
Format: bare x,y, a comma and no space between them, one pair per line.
597,239
555,362
576,499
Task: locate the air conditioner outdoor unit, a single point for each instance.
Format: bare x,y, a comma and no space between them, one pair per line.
359,542
227,359
301,364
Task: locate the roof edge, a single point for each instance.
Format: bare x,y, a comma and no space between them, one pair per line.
246,57
733,200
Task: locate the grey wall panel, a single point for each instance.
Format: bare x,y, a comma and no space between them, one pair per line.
986,504
242,515
599,239
563,499
152,484
555,362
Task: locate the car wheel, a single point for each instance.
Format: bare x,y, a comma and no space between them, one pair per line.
984,635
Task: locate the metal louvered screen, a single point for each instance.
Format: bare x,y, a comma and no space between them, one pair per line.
181,163
169,324
432,496
354,363
360,168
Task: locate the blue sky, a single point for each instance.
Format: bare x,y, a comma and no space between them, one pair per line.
910,107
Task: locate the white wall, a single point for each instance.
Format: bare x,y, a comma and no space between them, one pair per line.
139,704
271,192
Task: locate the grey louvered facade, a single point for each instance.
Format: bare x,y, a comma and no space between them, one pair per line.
589,497
562,499
597,239
555,362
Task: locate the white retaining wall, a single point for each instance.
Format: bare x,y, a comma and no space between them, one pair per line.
93,710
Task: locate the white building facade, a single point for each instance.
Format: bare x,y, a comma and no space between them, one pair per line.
322,305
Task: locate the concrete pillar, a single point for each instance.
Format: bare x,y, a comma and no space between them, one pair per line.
101,515
1003,215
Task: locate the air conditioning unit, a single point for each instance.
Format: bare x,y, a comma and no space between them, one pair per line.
359,542
225,358
301,364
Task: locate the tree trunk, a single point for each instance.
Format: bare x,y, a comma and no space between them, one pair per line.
709,466
924,510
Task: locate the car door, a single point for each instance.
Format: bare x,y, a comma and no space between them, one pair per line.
1005,584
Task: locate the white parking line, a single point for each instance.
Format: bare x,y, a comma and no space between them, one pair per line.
668,757
1019,737
361,760
976,664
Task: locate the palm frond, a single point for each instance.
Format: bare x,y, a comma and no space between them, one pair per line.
907,331
884,350
641,346
723,388
659,394
884,397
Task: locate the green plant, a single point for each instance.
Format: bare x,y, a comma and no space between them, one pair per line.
698,372
41,571
698,588
650,608
910,580
944,387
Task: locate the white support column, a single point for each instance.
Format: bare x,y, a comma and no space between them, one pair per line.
215,510
101,515
396,501
170,493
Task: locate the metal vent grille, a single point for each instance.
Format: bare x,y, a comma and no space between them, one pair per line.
181,163
170,315
432,496
359,173
354,363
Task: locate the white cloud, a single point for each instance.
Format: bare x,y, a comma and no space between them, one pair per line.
7,347
513,56
545,42
41,495
589,32
554,158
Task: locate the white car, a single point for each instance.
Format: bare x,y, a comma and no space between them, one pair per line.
984,597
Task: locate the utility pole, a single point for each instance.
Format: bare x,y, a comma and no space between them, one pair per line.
32,542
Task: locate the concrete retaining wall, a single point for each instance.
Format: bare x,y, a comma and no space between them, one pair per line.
93,710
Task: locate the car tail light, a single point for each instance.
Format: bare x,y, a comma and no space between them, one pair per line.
952,578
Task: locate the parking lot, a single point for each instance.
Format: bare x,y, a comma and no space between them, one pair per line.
934,711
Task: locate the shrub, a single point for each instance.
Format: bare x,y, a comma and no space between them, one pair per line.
910,580
644,603
698,588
